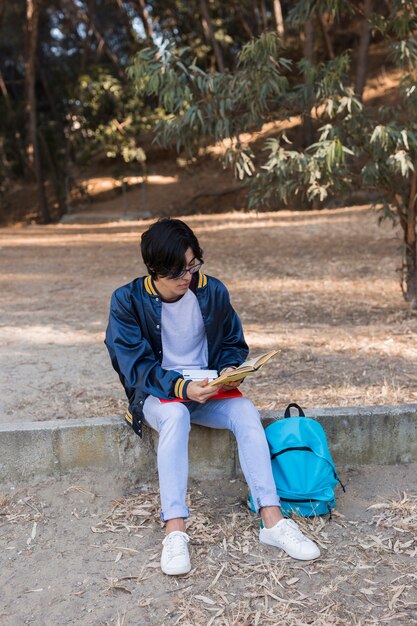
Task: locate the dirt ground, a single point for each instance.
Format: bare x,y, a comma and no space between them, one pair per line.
322,286
85,549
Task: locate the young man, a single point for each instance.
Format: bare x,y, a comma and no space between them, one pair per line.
178,318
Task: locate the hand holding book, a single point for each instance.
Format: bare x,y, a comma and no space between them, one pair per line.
228,386
200,391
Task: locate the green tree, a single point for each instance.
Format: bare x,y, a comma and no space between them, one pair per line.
205,106
83,105
391,139
51,72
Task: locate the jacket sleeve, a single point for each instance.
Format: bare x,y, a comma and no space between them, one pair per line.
133,358
234,349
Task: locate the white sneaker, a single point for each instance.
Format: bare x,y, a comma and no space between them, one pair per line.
287,536
175,559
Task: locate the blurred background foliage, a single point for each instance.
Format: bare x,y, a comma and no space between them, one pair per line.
90,83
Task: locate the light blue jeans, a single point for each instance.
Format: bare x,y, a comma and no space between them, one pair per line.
173,422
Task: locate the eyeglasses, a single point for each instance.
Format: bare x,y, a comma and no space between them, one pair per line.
193,270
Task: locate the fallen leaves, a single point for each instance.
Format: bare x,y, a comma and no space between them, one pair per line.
16,510
237,582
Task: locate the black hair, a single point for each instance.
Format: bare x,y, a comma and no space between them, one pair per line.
164,245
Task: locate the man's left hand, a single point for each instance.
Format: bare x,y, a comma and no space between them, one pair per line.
230,386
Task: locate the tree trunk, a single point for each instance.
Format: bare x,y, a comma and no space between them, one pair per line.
53,160
410,246
362,66
3,90
2,10
32,151
308,135
5,93
256,17
326,36
49,96
279,20
32,17
209,34
19,146
264,16
144,15
57,180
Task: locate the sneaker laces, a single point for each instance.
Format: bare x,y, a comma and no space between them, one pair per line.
176,544
292,531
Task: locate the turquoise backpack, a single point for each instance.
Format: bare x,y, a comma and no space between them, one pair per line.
304,472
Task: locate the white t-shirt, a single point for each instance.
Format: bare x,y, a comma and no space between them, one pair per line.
184,339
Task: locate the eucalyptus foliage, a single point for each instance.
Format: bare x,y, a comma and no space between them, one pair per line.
203,106
356,145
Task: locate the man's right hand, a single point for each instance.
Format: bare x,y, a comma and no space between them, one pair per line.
199,391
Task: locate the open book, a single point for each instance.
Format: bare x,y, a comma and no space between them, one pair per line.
248,367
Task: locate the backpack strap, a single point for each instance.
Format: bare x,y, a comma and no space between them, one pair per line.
293,405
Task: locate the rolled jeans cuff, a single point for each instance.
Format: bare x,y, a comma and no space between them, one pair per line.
270,501
174,513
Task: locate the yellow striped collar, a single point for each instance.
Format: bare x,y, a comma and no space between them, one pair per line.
202,280
151,289
149,286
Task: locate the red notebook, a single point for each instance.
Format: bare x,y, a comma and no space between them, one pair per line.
220,395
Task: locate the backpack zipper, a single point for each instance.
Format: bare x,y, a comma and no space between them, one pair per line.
274,456
289,450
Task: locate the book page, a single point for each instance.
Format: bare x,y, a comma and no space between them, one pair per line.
249,363
259,360
264,358
248,367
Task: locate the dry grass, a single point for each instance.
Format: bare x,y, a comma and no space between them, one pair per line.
365,577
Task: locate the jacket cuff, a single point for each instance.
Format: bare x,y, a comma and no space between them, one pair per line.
180,388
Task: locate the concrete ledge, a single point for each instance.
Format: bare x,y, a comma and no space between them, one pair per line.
44,448
356,435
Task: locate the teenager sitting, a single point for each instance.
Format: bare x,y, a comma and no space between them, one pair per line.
178,318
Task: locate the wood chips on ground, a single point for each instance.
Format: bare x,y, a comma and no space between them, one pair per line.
343,587
85,549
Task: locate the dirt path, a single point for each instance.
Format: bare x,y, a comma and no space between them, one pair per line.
85,549
320,285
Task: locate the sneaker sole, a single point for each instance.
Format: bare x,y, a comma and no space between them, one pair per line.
176,571
293,556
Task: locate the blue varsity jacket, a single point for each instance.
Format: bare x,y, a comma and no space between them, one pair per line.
133,339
